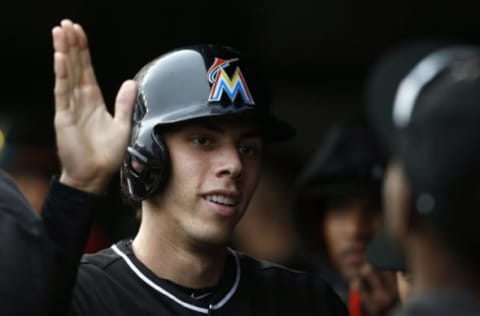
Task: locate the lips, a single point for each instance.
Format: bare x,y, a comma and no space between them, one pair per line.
223,202
221,199
355,257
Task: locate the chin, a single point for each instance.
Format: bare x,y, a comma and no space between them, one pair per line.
214,239
351,272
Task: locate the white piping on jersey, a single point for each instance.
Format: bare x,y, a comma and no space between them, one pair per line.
158,288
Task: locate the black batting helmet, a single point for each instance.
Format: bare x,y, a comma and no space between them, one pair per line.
188,83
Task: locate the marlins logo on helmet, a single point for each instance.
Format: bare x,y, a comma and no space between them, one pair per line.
221,82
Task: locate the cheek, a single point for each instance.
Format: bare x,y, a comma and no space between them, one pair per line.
185,168
251,175
333,232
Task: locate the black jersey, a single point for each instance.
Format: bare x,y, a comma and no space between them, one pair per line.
115,282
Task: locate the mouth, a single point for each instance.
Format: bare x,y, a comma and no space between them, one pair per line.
221,199
355,257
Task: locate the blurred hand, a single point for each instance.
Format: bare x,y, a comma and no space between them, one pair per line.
378,291
91,143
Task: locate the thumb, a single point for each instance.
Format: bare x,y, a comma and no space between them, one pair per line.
125,101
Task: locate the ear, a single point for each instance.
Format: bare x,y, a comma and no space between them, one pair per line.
400,215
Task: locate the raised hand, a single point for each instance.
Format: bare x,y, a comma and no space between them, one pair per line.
91,143
378,291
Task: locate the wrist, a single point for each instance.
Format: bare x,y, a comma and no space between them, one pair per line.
96,185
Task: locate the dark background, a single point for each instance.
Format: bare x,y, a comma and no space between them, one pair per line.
316,54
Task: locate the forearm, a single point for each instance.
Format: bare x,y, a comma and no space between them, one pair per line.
67,216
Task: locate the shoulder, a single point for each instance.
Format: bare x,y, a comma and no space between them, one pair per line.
100,271
107,263
102,259
269,281
112,260
253,265
270,272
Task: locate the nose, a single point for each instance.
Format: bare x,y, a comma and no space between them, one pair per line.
229,163
361,224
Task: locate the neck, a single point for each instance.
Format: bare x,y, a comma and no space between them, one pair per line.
435,268
180,261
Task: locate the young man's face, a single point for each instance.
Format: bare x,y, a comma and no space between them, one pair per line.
215,169
348,227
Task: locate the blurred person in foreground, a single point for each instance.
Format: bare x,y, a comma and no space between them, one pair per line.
424,102
28,256
28,155
338,208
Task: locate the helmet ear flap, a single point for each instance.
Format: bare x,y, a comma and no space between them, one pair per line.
145,171
162,169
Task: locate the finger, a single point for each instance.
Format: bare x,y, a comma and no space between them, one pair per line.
88,74
73,60
125,101
385,279
388,279
75,53
62,87
381,295
58,38
61,90
365,285
373,279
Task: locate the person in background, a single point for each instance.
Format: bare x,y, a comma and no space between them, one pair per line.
423,101
338,207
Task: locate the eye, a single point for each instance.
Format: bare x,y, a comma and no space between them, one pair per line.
246,150
201,140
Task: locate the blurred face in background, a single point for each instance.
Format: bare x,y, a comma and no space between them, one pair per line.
348,226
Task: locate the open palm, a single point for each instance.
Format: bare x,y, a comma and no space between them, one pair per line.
91,143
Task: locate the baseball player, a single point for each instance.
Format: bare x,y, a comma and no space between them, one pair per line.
190,154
